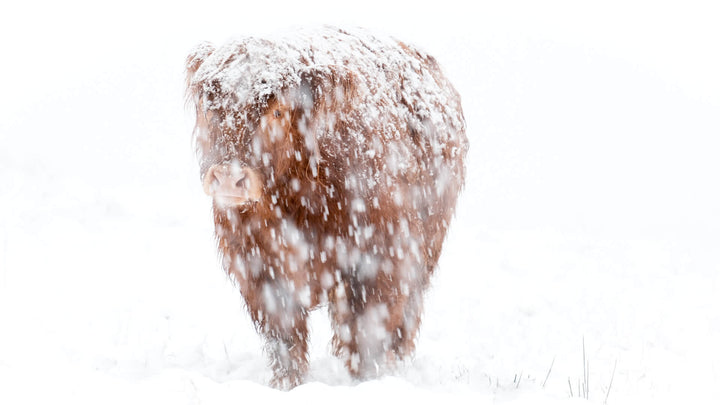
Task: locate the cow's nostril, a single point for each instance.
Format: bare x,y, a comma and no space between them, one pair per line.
241,182
214,181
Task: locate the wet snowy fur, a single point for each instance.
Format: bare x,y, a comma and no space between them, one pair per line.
360,142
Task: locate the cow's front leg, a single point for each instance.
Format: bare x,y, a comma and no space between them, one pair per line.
281,317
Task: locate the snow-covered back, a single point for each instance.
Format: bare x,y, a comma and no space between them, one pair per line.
251,69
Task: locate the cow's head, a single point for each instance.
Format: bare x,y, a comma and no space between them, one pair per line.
249,147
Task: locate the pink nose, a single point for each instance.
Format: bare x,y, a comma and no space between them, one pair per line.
231,184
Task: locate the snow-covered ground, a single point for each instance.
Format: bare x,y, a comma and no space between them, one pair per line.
589,217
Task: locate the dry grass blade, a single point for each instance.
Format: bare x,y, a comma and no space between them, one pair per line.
548,373
586,374
607,394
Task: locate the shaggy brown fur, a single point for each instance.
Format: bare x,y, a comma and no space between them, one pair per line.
357,158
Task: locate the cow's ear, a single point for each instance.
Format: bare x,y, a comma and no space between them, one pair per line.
326,85
196,58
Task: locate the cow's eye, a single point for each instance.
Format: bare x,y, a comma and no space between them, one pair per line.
277,113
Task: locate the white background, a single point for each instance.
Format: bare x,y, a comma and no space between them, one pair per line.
590,210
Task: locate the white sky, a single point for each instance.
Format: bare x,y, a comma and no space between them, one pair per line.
675,40
578,112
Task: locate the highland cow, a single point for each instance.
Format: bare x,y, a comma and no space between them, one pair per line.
334,160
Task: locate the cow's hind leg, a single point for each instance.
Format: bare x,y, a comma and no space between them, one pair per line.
375,322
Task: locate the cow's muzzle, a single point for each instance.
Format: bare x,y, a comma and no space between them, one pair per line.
231,184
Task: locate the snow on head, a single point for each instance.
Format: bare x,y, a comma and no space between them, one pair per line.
347,154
